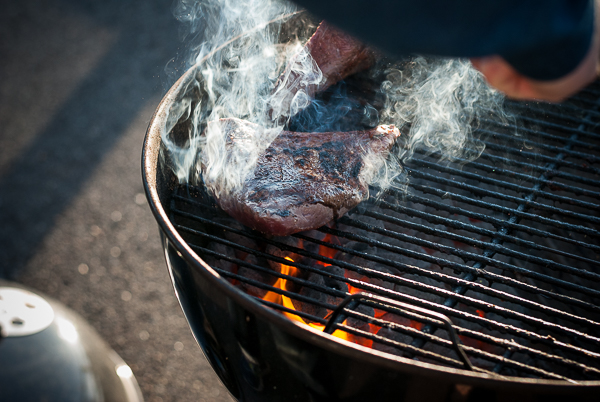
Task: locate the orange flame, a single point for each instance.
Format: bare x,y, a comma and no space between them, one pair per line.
325,251
287,302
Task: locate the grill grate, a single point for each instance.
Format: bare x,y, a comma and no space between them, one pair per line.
507,247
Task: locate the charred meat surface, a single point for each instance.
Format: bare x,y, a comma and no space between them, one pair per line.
304,180
337,55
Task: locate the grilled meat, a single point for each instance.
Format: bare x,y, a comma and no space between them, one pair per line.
337,54
304,180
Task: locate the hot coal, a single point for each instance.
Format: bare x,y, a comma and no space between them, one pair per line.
394,335
282,251
363,276
305,180
318,295
360,323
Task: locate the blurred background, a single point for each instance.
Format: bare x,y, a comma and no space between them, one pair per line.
79,81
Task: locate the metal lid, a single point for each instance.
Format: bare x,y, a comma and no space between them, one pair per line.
23,313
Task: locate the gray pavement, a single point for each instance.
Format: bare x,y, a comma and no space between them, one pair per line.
79,81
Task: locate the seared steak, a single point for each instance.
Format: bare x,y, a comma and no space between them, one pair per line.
337,54
304,180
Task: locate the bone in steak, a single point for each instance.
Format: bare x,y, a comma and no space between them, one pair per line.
304,180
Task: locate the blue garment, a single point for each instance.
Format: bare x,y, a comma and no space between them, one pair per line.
542,39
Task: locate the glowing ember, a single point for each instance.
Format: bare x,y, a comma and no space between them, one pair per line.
329,252
475,343
326,251
287,302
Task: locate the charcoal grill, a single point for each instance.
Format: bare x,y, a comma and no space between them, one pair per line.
481,276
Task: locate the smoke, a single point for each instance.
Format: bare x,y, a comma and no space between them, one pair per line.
248,58
236,46
440,102
436,103
301,74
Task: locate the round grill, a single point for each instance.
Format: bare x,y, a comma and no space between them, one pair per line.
506,247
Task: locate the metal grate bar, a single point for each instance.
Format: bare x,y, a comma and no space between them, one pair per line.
474,286
563,105
366,256
535,353
486,218
445,263
512,218
552,148
468,227
466,256
561,116
589,102
590,91
545,158
396,279
542,134
438,261
374,337
560,127
511,186
399,281
386,292
353,282
529,178
441,341
386,341
508,211
529,166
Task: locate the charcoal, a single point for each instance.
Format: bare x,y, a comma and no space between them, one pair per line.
310,246
228,221
394,335
319,296
242,241
449,351
278,252
221,263
256,275
424,294
360,262
359,323
236,238
306,245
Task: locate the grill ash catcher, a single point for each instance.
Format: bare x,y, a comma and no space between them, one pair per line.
481,281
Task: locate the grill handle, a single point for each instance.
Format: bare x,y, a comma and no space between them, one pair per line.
352,301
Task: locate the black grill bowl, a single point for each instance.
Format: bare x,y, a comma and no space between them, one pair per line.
261,355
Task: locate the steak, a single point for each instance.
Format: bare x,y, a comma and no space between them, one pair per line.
337,54
304,180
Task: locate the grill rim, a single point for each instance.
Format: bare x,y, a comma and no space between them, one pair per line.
153,165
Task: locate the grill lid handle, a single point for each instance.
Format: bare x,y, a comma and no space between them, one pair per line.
353,300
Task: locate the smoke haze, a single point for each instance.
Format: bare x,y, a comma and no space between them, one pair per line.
241,48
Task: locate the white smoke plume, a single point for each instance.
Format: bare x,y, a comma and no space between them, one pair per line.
436,103
238,48
236,44
440,100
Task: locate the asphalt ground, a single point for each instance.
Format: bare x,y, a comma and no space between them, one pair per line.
79,81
